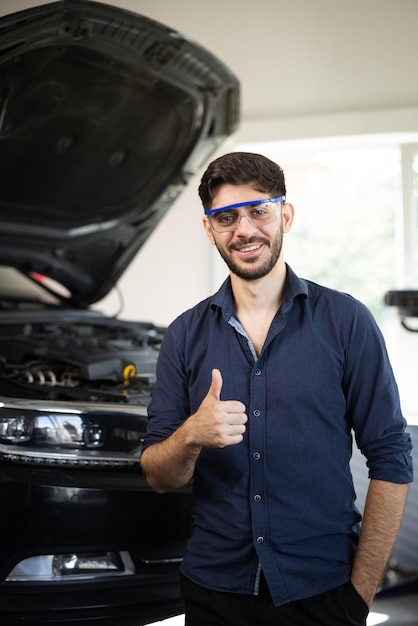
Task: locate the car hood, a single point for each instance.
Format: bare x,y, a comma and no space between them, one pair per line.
105,116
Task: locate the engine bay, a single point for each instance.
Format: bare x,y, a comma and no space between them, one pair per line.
85,359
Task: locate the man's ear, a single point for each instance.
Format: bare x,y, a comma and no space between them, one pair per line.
288,213
208,229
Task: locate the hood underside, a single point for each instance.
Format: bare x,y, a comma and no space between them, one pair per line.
104,117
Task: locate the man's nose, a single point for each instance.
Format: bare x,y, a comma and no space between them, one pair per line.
244,225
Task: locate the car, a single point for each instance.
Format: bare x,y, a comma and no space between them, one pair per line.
105,117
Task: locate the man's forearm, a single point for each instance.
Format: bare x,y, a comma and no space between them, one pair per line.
381,521
170,464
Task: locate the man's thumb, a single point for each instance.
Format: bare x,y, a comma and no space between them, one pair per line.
216,385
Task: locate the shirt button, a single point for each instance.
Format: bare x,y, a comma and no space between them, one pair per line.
257,497
256,456
257,413
260,539
257,372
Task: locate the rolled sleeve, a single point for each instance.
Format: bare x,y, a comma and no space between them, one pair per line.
373,403
395,468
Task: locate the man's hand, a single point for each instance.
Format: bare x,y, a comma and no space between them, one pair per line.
217,423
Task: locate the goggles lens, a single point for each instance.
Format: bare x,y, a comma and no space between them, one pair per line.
258,212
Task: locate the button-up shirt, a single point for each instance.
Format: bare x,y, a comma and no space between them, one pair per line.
283,499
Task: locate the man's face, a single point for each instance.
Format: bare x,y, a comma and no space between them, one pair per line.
252,250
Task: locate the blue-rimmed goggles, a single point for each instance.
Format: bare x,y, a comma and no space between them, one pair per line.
258,212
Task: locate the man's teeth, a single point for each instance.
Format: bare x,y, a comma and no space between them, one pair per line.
249,248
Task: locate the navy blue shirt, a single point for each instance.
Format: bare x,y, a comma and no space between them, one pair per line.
283,499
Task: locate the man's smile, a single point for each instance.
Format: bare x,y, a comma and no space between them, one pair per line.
250,248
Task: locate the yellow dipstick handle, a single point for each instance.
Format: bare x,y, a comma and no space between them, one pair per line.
128,372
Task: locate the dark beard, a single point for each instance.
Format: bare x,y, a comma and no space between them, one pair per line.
248,273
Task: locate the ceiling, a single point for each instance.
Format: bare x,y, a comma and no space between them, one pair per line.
299,57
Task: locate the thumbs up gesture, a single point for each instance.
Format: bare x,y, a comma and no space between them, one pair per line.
218,423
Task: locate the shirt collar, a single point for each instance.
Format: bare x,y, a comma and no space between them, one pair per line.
294,287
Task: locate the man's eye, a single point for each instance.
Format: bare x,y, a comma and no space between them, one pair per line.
224,218
259,212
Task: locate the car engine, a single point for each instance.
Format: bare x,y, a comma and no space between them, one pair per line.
88,358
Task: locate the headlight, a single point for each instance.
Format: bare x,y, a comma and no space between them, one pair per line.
39,429
15,429
71,434
65,567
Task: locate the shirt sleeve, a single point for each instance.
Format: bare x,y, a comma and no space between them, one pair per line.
373,403
168,407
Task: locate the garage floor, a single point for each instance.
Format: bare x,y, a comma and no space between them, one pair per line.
400,610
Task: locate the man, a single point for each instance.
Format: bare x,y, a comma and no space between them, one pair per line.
258,391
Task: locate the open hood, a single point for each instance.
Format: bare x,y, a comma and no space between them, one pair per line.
104,117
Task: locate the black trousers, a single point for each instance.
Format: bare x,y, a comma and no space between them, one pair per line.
341,606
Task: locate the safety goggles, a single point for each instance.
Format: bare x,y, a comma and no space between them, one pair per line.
258,212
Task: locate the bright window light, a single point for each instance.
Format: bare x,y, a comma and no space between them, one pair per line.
345,201
355,227
376,618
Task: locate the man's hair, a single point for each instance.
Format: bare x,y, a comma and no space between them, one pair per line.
240,168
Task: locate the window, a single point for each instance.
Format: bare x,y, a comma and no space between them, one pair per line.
408,222
356,229
345,204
